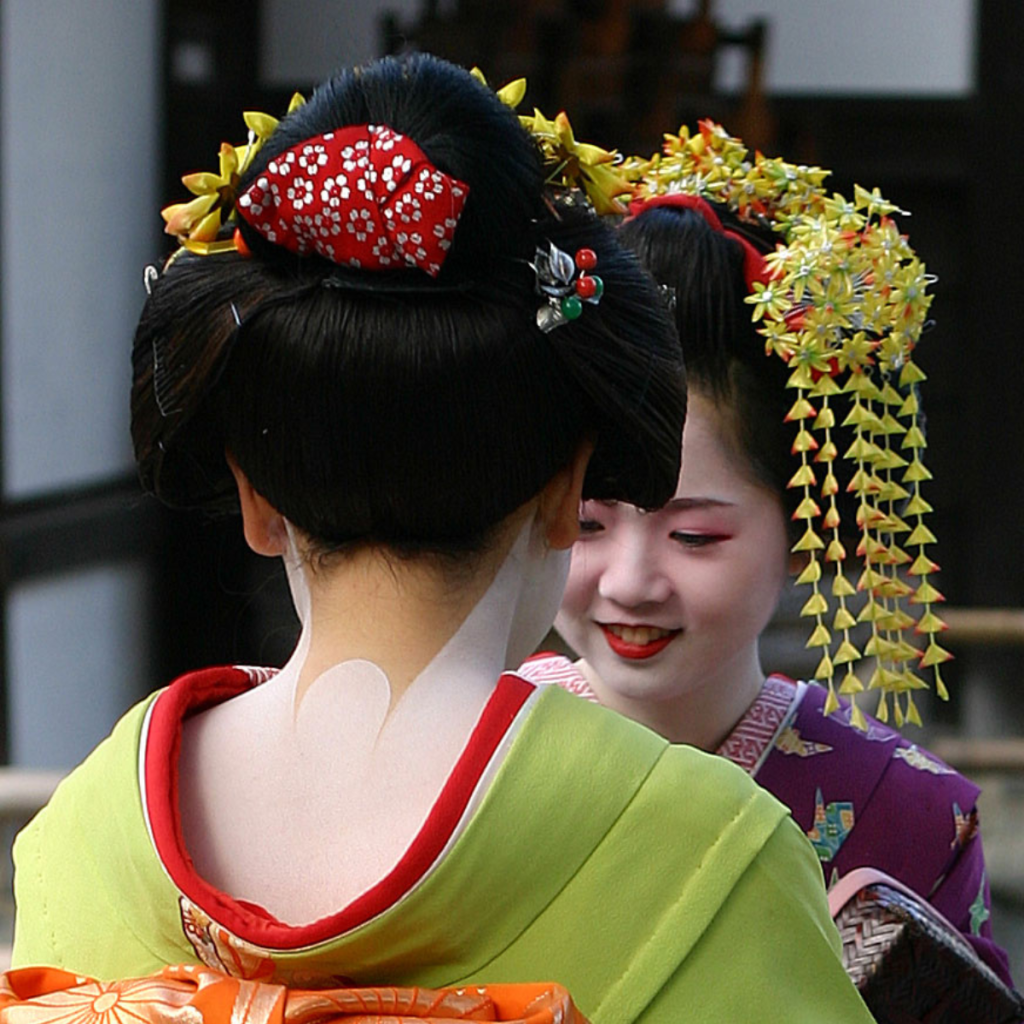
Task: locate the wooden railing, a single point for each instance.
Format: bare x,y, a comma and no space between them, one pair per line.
971,756
985,627
23,791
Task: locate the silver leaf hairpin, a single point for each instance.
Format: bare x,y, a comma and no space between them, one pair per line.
565,283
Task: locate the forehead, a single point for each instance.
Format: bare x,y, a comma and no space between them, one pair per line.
713,463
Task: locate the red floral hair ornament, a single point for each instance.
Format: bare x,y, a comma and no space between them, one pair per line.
363,196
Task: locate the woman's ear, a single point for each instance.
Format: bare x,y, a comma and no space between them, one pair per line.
264,527
559,505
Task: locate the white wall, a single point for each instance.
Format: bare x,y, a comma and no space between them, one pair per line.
868,47
77,659
859,47
79,218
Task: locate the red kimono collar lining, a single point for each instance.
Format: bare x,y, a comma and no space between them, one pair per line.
199,690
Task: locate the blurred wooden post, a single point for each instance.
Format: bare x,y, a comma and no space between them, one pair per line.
985,627
24,791
981,755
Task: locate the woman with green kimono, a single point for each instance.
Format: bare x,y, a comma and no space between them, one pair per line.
405,367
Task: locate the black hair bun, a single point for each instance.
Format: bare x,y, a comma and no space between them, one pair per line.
390,407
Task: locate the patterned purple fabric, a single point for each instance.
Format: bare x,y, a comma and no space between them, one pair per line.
877,800
865,799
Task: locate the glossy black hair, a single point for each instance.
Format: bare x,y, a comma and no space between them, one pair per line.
724,354
388,408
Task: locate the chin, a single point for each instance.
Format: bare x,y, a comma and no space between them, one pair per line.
637,680
654,679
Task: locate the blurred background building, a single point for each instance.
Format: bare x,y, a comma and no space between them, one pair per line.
105,103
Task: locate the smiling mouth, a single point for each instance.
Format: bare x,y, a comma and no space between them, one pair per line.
637,642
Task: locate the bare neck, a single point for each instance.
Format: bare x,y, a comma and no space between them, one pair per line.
396,614
702,717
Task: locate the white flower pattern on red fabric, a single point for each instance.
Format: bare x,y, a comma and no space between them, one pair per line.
363,196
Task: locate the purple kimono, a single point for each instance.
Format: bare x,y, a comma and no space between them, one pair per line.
865,799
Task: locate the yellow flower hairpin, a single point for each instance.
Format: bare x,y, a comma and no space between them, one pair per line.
568,163
197,223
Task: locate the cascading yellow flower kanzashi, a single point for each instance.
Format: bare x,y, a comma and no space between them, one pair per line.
844,307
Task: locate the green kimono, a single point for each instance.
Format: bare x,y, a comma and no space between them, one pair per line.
657,883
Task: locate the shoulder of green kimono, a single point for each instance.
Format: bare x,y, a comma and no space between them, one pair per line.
673,858
86,874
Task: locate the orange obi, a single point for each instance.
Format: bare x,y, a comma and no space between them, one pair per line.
192,994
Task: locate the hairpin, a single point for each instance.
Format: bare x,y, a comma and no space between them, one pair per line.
565,283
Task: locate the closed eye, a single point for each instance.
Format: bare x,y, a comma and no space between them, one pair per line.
696,540
590,526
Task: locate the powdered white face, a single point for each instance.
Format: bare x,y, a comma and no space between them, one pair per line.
668,603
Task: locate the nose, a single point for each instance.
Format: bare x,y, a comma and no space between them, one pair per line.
632,575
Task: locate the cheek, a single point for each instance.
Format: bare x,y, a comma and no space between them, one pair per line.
707,590
762,595
735,595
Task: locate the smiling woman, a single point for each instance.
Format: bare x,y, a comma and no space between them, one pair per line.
665,608
694,583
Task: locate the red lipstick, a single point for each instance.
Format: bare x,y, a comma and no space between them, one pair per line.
634,651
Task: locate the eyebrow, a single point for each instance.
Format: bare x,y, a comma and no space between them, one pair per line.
683,504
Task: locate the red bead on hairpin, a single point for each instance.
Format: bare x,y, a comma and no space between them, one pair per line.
565,284
586,259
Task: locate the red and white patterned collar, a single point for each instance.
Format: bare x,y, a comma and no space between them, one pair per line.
750,741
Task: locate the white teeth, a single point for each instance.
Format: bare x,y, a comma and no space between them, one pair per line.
641,635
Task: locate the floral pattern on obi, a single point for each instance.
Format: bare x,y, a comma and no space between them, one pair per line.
189,994
216,947
88,1001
